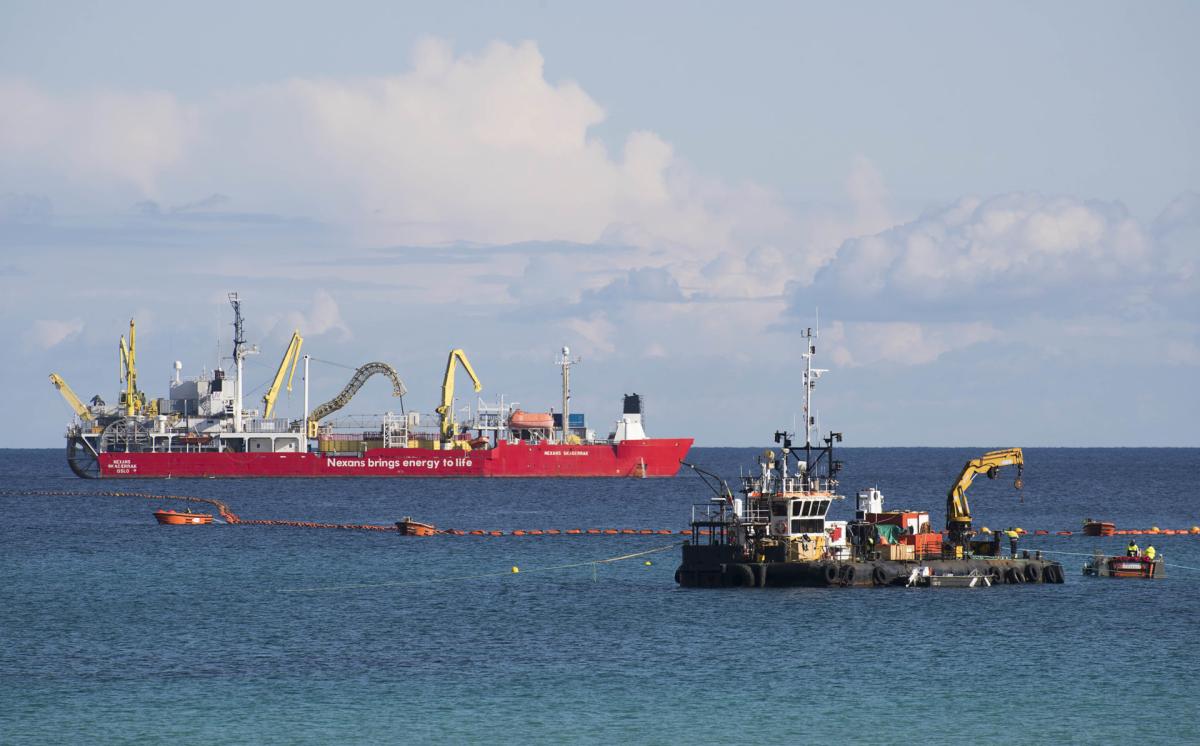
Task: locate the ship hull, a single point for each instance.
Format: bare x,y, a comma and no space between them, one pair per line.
653,457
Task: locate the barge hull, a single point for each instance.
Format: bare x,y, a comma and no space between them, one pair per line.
834,573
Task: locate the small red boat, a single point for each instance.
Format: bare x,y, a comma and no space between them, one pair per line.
175,518
1124,567
409,527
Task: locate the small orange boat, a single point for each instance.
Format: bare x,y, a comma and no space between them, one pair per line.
175,518
409,527
1098,528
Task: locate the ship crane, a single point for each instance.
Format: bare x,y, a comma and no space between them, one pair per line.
290,357
958,512
80,408
446,410
132,400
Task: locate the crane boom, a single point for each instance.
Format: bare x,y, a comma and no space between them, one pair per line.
80,409
131,399
446,410
292,356
958,511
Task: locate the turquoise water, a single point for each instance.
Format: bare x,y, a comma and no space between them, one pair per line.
116,629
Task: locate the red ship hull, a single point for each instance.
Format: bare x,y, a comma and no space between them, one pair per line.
653,457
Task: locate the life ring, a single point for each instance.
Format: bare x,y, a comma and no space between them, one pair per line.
739,576
879,575
780,528
831,573
1014,576
1033,573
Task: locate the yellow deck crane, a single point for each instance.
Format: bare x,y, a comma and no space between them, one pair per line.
132,400
290,357
80,408
958,512
446,410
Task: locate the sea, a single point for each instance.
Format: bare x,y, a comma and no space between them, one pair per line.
114,629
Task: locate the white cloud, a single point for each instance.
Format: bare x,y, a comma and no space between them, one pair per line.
323,316
596,331
91,140
48,333
462,147
1018,251
857,344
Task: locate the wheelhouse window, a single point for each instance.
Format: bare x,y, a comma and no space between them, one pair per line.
807,526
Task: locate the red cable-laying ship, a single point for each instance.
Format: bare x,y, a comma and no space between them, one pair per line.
202,429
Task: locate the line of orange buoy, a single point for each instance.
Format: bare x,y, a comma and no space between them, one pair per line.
232,518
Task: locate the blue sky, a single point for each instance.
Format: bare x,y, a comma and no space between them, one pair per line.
994,207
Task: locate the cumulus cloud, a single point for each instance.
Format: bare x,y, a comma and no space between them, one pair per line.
323,316
642,284
96,140
1018,251
597,332
1025,265
476,147
48,333
869,343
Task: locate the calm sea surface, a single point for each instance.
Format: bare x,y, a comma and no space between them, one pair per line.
116,629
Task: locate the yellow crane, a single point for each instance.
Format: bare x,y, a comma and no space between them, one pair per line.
446,410
958,512
290,357
132,400
79,407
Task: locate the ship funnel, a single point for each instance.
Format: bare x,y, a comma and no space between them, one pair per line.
629,427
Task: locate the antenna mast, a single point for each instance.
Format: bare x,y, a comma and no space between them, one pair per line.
811,375
566,362
240,351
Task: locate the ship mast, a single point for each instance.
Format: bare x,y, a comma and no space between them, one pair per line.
240,351
811,375
566,362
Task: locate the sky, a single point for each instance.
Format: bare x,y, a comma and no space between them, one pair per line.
988,212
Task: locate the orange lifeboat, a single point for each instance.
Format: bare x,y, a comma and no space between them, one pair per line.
174,518
408,527
1098,528
519,420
